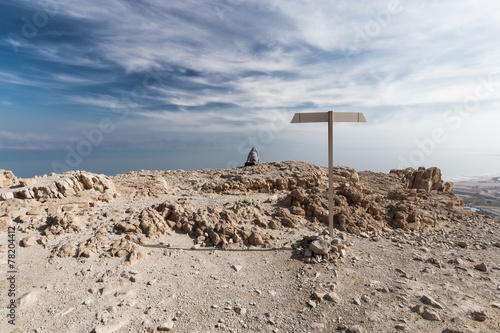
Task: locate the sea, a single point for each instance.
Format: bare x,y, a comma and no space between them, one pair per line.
455,165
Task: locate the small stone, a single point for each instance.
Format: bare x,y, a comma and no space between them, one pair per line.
112,309
332,297
431,301
28,241
320,246
479,316
312,304
401,327
167,326
237,268
318,295
354,329
109,289
462,244
430,315
364,235
136,278
239,310
481,267
308,253
496,305
108,328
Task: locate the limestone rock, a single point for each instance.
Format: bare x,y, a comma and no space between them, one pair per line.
57,186
28,241
166,326
431,301
108,328
7,178
63,223
430,315
320,246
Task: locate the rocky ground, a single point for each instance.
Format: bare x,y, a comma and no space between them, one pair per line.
245,250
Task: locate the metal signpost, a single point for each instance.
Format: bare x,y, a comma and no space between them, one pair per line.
330,117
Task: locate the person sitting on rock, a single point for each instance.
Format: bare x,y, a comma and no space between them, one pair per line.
253,157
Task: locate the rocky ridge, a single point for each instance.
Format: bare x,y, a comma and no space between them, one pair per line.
93,218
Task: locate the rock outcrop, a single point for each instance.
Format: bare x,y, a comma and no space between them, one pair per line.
291,195
7,178
58,186
424,179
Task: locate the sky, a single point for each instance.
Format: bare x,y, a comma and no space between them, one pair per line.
202,82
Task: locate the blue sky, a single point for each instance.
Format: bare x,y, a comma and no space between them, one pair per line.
226,75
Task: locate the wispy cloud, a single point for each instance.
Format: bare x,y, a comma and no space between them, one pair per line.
220,66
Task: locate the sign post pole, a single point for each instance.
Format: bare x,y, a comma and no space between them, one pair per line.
330,117
330,173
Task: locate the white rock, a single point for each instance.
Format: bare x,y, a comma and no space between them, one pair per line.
237,268
108,328
167,326
28,241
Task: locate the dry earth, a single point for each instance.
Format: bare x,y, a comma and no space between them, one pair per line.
245,250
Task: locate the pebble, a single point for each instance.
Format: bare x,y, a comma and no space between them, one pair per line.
312,304
332,297
28,299
430,315
431,301
136,278
240,310
237,268
28,241
109,289
479,315
318,295
167,326
401,327
354,329
481,267
108,328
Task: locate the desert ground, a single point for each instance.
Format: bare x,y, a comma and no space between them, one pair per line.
247,250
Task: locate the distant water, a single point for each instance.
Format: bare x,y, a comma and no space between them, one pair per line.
28,163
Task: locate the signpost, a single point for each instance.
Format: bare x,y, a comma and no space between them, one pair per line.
330,117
